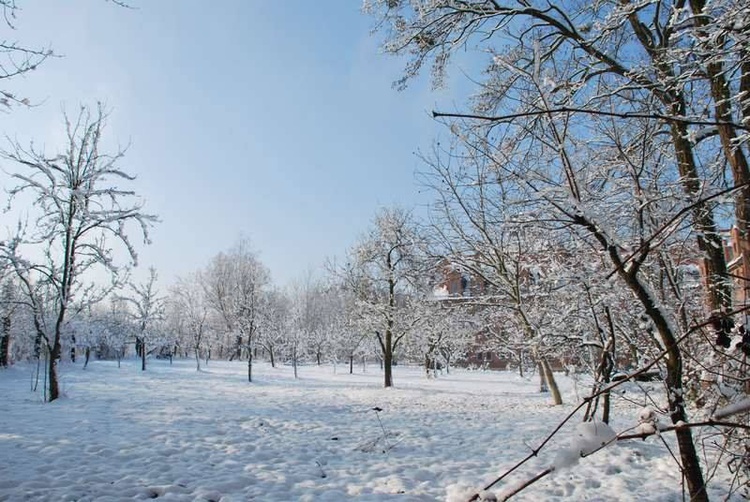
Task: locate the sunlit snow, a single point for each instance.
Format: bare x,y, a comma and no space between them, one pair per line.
173,433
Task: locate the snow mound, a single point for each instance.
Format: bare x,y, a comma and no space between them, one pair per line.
590,437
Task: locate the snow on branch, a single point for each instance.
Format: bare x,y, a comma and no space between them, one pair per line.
733,409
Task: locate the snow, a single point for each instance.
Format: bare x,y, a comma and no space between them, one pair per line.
441,292
175,434
741,406
647,414
591,436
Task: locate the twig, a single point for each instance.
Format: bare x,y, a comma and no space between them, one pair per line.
705,423
322,472
377,411
583,403
624,437
528,483
568,109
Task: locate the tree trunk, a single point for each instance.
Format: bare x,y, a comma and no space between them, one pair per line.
88,355
388,358
605,407
238,348
688,455
38,346
5,342
54,357
249,365
689,458
4,351
143,354
551,382
317,356
197,359
721,94
273,360
718,282
542,378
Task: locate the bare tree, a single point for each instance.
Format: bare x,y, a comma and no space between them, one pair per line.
306,318
445,332
17,59
347,283
189,311
392,268
147,311
80,204
273,322
345,327
115,329
234,283
502,261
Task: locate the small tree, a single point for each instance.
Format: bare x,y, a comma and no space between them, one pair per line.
115,329
351,328
190,314
234,283
273,323
443,335
347,335
148,310
80,204
306,318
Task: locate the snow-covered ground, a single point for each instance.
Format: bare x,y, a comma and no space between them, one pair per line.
173,433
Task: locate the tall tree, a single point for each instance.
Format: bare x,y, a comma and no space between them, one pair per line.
79,204
234,284
392,266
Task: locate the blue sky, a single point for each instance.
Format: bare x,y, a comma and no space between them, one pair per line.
265,119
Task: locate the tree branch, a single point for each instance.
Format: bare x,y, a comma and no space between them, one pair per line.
567,109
